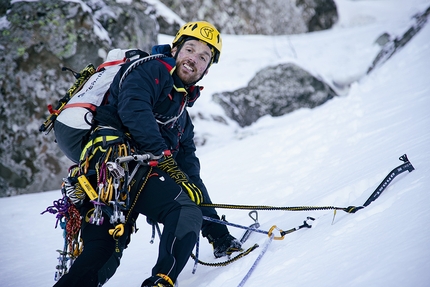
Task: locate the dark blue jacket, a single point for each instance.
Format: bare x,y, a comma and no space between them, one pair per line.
152,106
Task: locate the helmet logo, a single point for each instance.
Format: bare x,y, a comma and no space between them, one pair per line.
207,32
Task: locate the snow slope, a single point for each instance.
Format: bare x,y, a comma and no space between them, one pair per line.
336,154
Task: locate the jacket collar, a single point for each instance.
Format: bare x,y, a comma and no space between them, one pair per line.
170,63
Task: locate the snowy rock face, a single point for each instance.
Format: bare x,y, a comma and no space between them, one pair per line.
274,91
37,39
264,17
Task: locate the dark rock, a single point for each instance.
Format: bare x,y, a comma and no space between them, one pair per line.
274,91
318,14
265,17
394,44
36,40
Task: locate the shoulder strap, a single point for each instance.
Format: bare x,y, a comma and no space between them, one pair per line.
137,63
128,56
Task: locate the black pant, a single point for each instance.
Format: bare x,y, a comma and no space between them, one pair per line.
161,200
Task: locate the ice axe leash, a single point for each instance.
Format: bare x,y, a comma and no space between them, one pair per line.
406,166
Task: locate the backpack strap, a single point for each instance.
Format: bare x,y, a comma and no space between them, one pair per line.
129,55
138,63
111,63
88,106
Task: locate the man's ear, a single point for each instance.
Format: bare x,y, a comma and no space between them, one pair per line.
173,51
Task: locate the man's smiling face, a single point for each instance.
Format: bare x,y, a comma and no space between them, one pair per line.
192,60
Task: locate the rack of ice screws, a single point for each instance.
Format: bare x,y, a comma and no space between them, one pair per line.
116,194
112,200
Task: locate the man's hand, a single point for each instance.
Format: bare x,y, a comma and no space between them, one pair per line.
169,165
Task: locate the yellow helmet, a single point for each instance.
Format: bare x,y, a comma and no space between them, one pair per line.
203,31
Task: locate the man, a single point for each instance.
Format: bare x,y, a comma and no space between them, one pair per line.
147,113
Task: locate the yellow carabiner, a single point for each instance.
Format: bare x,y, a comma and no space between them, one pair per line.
88,215
122,150
108,152
275,237
108,191
117,232
76,248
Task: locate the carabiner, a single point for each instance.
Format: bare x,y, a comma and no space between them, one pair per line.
275,237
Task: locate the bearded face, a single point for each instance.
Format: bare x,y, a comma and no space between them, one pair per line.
192,60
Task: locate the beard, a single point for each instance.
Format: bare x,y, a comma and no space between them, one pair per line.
188,72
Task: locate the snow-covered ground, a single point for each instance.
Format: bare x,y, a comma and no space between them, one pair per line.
335,154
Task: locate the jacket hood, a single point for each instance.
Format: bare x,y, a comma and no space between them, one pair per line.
165,50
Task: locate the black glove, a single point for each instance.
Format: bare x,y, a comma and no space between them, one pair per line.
169,165
226,245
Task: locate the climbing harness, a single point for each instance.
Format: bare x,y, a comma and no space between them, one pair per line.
111,197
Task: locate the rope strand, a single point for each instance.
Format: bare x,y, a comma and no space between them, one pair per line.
225,263
265,207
